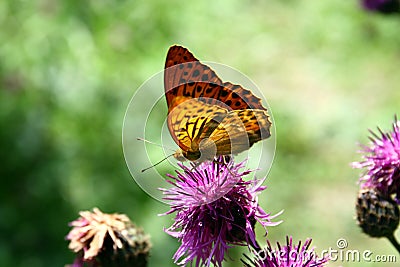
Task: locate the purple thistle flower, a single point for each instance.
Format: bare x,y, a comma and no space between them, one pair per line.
382,162
215,209
286,256
382,6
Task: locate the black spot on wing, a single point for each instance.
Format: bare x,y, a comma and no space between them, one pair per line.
224,93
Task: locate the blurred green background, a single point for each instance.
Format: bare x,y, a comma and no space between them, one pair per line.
68,69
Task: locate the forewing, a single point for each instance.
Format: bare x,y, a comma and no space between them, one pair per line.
185,76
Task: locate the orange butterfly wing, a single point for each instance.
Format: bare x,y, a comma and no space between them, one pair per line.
192,121
239,130
184,75
198,108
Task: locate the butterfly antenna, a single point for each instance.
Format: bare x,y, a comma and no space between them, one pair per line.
147,141
157,162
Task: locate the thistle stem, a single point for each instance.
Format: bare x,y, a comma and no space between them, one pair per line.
394,242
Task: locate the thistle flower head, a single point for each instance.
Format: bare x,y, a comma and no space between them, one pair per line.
382,6
107,240
289,255
381,160
215,209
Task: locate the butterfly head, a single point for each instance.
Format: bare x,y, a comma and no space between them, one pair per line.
178,155
182,155
206,150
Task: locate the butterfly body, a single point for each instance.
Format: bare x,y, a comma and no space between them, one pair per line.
208,117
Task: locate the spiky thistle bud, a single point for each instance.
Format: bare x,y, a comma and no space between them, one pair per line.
101,239
378,216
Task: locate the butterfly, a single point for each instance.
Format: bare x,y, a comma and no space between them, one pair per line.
206,116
